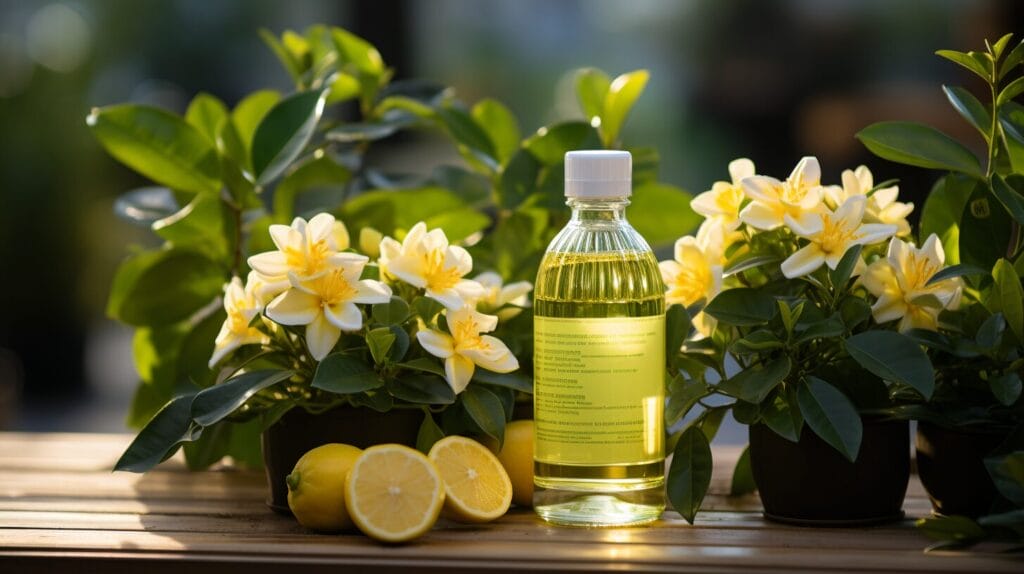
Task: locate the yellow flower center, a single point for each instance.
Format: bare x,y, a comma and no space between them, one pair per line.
918,271
729,200
333,288
467,333
238,321
690,285
438,277
310,261
835,237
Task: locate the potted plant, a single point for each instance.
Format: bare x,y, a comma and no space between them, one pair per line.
810,290
267,207
977,208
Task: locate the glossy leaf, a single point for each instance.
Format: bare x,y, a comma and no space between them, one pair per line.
622,94
516,380
344,375
783,416
919,145
366,131
955,271
162,287
984,229
519,179
756,342
1007,297
213,404
969,61
683,394
1012,59
1005,388
591,90
247,116
689,475
428,434
466,131
309,186
831,416
893,357
205,113
1009,197
970,108
283,134
661,213
204,225
388,210
192,361
500,125
289,61
550,144
486,410
424,365
753,384
357,52
379,341
828,328
159,145
844,270
677,327
746,263
742,476
1011,91
422,389
145,205
942,211
742,306
394,312
158,440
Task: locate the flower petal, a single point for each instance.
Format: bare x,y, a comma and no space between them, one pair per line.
320,228
438,344
760,216
284,236
223,348
762,188
739,169
806,260
879,277
345,316
371,292
409,269
459,371
489,279
269,263
807,172
888,308
450,298
321,336
871,233
294,307
805,225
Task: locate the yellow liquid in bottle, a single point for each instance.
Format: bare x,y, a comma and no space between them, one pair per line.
599,376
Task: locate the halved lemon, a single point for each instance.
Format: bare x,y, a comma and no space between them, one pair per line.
477,488
393,493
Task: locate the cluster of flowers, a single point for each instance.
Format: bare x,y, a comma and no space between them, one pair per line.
818,225
313,279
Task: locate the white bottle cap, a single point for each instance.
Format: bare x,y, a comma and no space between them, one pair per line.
598,173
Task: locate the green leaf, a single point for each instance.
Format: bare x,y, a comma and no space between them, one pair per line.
486,410
662,213
1009,197
854,311
677,327
942,211
424,365
197,348
247,116
742,476
518,179
971,61
1012,59
1007,297
831,416
1005,388
622,94
205,113
309,186
1011,91
683,393
782,415
841,274
426,308
942,527
428,434
591,90
159,145
990,333
394,312
955,271
500,125
690,473
162,287
746,263
743,307
970,108
753,384
344,375
389,210
209,448
1007,474
358,52
828,328
145,205
158,440
367,131
284,132
379,341
466,131
756,342
550,144
291,63
919,145
421,389
517,380
984,229
711,421
212,404
893,357
205,225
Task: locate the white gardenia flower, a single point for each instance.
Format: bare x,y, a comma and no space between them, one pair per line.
900,281
466,347
695,274
242,305
303,249
772,200
831,234
496,295
326,303
881,207
722,202
427,261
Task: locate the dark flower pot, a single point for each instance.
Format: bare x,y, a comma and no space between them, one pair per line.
298,432
950,465
808,483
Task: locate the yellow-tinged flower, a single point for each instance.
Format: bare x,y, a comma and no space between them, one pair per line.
466,347
772,200
326,302
900,279
369,241
831,234
340,235
694,275
242,305
881,207
722,202
496,295
426,260
304,249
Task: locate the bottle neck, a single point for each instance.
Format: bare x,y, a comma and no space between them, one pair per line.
603,209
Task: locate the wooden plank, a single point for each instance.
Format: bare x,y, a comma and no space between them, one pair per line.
219,485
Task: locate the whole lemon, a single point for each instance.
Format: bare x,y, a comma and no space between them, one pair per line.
316,487
517,457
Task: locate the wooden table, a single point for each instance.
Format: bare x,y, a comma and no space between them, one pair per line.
62,509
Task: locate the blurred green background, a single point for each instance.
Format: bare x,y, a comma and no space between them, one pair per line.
769,80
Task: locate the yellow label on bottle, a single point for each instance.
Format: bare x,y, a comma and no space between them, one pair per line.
599,390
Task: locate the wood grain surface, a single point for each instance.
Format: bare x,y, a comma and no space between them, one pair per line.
61,509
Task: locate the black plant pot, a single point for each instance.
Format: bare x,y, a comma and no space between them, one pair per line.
298,431
808,483
950,463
